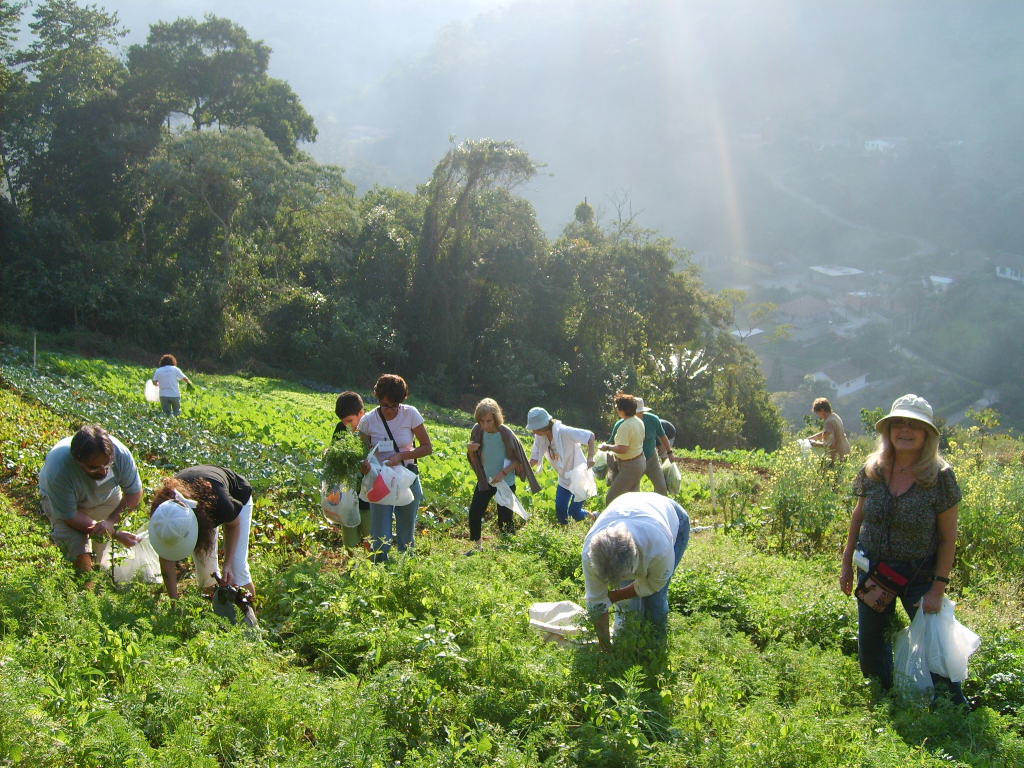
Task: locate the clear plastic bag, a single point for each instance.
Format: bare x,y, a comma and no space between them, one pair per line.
673,477
140,563
340,505
152,392
933,643
580,482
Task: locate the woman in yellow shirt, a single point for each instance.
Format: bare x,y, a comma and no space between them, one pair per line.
628,448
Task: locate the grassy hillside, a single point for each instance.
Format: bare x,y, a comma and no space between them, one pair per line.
428,661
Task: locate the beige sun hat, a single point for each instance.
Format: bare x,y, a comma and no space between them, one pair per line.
909,407
173,530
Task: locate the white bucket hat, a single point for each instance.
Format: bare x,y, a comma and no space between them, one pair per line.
640,407
537,418
909,407
173,530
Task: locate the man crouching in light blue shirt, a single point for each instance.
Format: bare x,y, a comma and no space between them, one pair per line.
629,557
86,483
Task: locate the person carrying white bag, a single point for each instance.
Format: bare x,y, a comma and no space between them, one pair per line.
497,458
560,445
904,527
401,436
341,504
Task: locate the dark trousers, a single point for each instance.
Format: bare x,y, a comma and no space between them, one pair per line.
478,506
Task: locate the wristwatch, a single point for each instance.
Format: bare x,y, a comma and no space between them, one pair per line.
943,579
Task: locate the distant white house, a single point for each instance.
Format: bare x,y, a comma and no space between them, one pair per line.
881,146
835,277
1010,266
939,283
834,270
843,378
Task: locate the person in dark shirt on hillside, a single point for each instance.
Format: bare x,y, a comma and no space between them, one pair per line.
350,410
905,526
186,512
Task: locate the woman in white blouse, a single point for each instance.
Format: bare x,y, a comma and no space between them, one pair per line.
167,377
401,436
560,444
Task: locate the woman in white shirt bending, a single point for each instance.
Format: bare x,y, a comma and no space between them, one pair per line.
560,444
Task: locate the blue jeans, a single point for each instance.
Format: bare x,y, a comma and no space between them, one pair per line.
566,506
404,521
874,647
171,405
655,607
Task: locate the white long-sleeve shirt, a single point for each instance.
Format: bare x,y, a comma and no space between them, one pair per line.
563,449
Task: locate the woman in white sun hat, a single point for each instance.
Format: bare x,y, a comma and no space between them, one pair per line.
561,445
905,524
188,508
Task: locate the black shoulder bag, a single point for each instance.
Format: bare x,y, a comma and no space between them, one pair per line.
394,444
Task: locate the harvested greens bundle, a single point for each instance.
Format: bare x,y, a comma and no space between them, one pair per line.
343,459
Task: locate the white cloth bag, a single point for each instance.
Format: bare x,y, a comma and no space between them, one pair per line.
558,622
580,482
506,497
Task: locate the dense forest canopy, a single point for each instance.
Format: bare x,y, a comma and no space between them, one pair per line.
163,198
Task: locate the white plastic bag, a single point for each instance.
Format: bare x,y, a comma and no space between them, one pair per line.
673,477
580,482
152,392
952,644
600,464
933,643
807,448
388,485
558,622
340,505
140,563
506,497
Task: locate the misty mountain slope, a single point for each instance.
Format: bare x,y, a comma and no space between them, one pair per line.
691,109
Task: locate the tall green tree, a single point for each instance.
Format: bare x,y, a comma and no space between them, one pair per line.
10,82
54,82
447,247
68,145
228,226
211,72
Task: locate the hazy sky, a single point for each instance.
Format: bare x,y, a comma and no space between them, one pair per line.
373,34
737,127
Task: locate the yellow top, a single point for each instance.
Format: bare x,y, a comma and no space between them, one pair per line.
630,433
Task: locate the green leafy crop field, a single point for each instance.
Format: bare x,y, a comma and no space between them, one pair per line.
428,660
